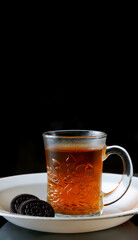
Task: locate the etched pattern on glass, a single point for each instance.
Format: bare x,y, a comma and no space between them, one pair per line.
74,184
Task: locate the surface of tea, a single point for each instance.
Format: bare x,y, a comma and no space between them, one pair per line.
74,180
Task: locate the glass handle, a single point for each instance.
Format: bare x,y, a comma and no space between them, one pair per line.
120,190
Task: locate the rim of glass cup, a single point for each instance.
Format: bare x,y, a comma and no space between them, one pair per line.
63,134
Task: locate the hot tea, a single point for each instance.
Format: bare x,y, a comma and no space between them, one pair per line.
74,180
74,160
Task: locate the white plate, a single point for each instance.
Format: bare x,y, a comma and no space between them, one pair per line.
112,216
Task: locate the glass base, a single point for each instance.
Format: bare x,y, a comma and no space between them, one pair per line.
59,215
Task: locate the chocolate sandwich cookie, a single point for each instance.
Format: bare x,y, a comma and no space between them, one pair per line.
15,203
36,207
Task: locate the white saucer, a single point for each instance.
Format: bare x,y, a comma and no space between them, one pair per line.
113,215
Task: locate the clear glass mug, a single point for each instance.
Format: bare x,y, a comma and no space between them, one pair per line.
74,160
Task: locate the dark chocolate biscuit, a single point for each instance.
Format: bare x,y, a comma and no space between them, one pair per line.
15,203
35,207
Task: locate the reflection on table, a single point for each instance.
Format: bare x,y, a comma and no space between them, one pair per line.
126,231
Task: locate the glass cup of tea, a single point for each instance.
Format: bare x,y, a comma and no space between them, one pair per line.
74,160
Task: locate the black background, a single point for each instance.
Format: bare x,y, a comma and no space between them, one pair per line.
110,106
74,74
68,76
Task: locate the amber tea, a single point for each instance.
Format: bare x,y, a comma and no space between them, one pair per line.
74,160
74,180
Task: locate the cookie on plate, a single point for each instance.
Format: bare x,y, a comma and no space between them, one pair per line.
16,201
34,207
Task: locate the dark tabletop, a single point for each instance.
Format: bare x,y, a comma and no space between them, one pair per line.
126,231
